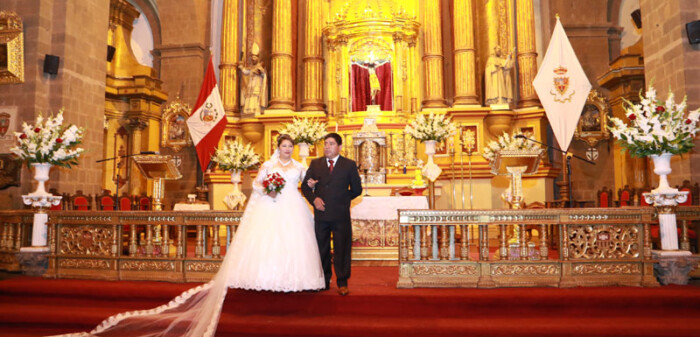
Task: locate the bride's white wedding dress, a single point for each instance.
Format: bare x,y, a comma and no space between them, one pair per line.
273,249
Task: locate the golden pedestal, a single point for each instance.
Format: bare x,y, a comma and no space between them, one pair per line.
515,164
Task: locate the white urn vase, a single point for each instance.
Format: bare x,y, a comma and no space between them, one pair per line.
41,175
235,198
431,170
304,152
662,167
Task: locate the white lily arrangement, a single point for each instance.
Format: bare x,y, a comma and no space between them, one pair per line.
509,142
236,156
49,142
434,127
305,130
655,126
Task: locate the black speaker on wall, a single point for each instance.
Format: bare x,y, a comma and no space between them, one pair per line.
51,64
693,29
110,53
637,18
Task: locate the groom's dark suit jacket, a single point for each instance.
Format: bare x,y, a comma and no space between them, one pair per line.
337,189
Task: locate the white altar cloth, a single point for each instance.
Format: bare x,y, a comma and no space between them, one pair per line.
385,208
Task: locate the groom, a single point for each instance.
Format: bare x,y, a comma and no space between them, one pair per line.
335,182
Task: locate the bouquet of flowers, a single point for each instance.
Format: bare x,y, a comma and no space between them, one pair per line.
236,156
273,183
305,130
509,143
49,142
434,127
656,127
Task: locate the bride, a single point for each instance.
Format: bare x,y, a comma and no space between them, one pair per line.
274,249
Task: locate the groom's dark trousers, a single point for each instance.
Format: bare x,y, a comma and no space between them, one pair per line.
336,189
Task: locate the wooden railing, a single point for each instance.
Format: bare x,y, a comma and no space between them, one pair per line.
139,245
596,247
15,233
688,217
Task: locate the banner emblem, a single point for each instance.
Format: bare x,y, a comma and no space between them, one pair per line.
208,114
561,84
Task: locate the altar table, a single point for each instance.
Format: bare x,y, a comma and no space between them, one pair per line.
375,226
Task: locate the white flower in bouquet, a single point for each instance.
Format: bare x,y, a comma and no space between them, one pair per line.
434,127
305,130
509,143
48,141
236,156
655,126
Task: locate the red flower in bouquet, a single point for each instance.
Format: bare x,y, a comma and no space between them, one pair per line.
273,183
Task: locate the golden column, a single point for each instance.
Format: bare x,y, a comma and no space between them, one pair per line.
228,74
313,58
400,76
465,59
527,54
281,96
432,55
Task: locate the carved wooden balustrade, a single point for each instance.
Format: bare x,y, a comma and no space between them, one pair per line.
598,247
175,246
688,218
15,233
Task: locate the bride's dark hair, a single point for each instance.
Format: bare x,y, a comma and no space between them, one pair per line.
284,137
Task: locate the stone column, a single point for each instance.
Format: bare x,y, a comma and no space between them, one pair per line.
464,52
281,70
228,72
432,55
313,58
527,53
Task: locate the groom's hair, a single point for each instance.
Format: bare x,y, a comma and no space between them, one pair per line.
335,136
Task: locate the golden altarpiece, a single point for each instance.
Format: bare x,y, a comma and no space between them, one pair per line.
432,57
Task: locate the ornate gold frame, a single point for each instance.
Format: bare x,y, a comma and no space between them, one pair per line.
591,129
11,48
176,109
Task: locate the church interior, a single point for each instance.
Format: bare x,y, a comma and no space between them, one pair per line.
131,73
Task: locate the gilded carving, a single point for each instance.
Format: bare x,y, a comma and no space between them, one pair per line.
445,270
206,267
367,232
83,264
11,48
525,269
148,265
86,240
607,268
604,241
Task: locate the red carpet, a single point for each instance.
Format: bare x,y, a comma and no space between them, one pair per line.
37,307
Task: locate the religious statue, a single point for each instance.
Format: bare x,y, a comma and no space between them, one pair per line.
254,90
497,78
371,84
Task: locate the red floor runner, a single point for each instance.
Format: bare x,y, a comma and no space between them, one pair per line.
37,307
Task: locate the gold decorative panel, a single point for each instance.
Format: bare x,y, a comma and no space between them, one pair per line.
445,270
607,269
84,264
11,48
604,241
86,240
521,269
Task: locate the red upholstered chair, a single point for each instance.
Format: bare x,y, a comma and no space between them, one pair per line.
625,195
105,201
81,202
143,203
692,193
604,197
126,202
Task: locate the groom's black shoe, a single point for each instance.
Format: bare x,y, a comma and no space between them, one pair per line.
343,291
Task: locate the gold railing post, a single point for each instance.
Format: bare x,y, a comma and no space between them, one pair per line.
216,244
444,249
464,247
503,249
544,247
199,248
149,240
165,245
424,242
523,242
483,243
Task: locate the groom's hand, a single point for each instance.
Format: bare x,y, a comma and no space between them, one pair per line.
319,204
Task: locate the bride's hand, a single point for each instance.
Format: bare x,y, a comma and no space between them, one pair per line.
311,183
272,194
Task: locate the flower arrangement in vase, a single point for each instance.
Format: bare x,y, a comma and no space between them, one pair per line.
657,129
305,132
508,142
431,130
236,158
47,143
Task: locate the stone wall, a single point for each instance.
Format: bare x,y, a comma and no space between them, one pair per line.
670,61
75,31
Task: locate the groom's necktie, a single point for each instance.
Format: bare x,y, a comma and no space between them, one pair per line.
330,165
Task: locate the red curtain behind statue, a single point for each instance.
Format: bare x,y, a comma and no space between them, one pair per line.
360,90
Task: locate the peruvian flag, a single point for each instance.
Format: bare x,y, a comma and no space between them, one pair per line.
208,121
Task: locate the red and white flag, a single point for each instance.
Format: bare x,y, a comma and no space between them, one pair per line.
562,86
208,121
